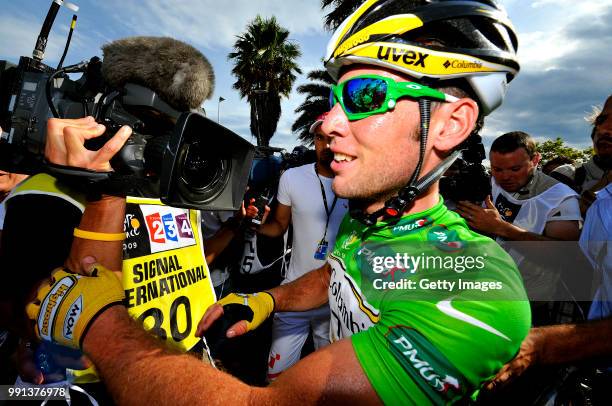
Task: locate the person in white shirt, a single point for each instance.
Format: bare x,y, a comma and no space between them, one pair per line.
306,200
526,205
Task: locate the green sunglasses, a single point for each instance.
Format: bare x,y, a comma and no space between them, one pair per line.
366,95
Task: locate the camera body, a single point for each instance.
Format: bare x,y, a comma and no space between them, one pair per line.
181,157
23,114
467,179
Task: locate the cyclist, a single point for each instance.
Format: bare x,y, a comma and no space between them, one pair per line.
413,79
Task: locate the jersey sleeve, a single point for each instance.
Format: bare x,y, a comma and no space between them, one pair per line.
284,188
568,210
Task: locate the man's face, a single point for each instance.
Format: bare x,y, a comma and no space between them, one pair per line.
321,143
375,156
9,180
602,138
513,170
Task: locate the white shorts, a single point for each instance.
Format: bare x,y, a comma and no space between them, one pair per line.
289,332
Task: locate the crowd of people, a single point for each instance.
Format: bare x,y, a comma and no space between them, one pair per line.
344,246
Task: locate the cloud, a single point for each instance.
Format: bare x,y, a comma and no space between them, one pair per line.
565,71
210,23
18,38
19,31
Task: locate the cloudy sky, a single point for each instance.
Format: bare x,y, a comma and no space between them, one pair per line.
564,50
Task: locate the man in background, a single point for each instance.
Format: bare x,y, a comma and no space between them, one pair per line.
526,205
307,201
595,174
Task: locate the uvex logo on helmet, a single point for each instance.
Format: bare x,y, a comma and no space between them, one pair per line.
408,57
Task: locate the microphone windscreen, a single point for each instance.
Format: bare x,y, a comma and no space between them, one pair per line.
176,71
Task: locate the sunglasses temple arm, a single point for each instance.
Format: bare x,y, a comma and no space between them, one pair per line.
450,99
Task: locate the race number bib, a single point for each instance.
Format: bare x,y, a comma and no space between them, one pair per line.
166,280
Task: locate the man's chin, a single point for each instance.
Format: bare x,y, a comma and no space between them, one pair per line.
604,153
510,189
340,187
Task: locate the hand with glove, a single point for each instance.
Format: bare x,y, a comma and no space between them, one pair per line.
66,307
249,309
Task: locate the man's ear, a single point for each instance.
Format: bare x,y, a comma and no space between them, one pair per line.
537,157
452,123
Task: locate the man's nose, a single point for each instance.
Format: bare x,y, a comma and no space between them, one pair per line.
336,123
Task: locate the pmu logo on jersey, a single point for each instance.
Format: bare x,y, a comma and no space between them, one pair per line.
408,57
426,365
405,228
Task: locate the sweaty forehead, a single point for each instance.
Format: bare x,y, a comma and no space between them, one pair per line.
362,69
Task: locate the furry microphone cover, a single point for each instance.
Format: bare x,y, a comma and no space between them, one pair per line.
176,71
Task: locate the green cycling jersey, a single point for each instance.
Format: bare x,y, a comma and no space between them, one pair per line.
433,309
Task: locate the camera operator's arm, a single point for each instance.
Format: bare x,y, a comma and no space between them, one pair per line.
65,146
44,222
488,220
102,216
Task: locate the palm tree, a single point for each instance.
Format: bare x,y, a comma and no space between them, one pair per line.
316,103
265,68
340,10
317,92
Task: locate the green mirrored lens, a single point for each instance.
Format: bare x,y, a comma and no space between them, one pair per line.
363,95
332,98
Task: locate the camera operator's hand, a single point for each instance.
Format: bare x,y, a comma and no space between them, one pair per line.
254,307
487,220
65,144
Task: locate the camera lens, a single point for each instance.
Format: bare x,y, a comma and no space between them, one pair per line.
203,174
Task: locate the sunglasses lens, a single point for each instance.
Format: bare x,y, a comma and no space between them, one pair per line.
332,99
363,95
